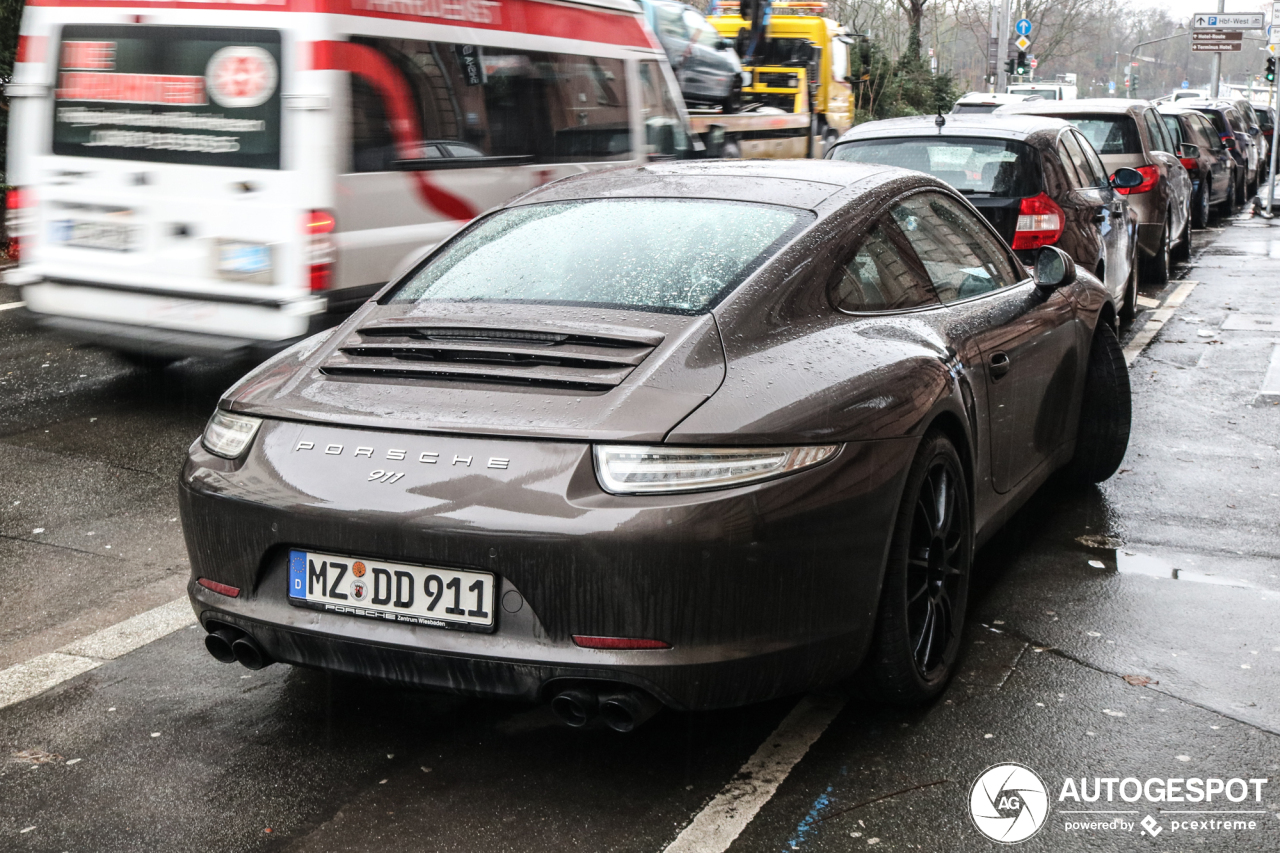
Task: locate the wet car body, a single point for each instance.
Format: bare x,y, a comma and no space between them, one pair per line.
1132,134
1212,169
1097,229
756,590
1234,131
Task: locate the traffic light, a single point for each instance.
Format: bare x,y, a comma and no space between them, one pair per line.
1133,80
1022,67
1271,69
1010,66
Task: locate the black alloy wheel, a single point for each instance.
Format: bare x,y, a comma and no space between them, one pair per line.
917,640
1201,208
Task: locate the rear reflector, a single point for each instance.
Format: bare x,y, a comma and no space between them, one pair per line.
220,588
618,643
1040,223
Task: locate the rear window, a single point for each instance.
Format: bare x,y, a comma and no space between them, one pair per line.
1109,134
974,108
197,95
1264,119
671,255
1047,94
994,167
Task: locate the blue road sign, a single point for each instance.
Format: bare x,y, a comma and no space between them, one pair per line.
1186,84
1111,87
1023,27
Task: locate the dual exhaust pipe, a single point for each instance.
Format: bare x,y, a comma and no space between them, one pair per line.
230,645
622,709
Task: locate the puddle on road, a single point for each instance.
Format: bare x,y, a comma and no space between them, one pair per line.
1114,558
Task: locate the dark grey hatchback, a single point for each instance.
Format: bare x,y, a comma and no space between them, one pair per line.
693,435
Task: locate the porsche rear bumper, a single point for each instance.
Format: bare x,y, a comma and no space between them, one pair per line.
761,591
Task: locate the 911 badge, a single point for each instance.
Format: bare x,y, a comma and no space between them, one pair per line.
238,77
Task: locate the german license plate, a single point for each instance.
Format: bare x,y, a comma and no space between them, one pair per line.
375,589
95,234
239,259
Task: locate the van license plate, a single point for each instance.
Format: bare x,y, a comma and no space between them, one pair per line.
239,259
415,595
94,234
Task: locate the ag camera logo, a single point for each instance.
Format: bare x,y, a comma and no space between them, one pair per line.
1009,803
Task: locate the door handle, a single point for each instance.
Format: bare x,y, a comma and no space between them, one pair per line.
1099,217
999,365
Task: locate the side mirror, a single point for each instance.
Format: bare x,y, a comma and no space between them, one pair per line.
1054,268
1126,178
1231,143
1187,149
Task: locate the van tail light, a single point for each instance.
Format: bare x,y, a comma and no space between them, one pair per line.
1150,174
320,249
1190,163
18,216
1040,223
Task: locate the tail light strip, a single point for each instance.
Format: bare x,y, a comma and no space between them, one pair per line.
1040,223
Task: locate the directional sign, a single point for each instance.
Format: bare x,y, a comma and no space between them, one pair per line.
1273,32
1022,43
1216,46
1217,35
1111,86
1214,21
1023,27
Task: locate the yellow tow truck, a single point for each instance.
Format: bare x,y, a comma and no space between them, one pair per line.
801,65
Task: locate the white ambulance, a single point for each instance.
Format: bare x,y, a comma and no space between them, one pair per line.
205,178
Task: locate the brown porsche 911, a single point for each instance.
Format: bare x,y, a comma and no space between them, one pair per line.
693,435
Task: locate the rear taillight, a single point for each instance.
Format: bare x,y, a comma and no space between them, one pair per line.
17,219
319,226
1189,163
1150,174
1040,223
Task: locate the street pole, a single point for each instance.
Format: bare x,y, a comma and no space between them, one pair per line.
1002,49
995,37
1273,95
1216,73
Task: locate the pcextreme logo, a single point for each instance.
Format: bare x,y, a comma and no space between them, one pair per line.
1010,803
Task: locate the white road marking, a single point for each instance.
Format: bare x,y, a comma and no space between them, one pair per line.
722,820
1148,302
1158,318
8,306
31,678
1270,390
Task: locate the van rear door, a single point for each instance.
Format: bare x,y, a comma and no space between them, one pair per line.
163,178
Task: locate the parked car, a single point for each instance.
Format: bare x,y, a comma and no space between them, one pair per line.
707,68
1048,91
1207,160
1254,127
1233,130
1267,121
563,456
1131,133
985,102
1037,180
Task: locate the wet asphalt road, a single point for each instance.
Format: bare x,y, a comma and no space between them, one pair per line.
1168,574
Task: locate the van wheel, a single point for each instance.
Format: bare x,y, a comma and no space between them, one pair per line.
1200,207
926,586
1156,269
146,360
1106,411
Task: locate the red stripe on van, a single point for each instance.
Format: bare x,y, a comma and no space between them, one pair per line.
378,71
558,20
31,48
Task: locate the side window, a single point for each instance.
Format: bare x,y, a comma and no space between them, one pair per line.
1087,176
839,59
494,102
1237,123
1068,164
1100,177
960,255
663,130
1174,128
1155,131
1210,133
879,278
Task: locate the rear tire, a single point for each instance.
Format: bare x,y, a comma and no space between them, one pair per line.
1182,253
1129,304
1106,411
1240,193
1156,269
1200,208
926,586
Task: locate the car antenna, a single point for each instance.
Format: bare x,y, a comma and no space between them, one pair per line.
940,121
